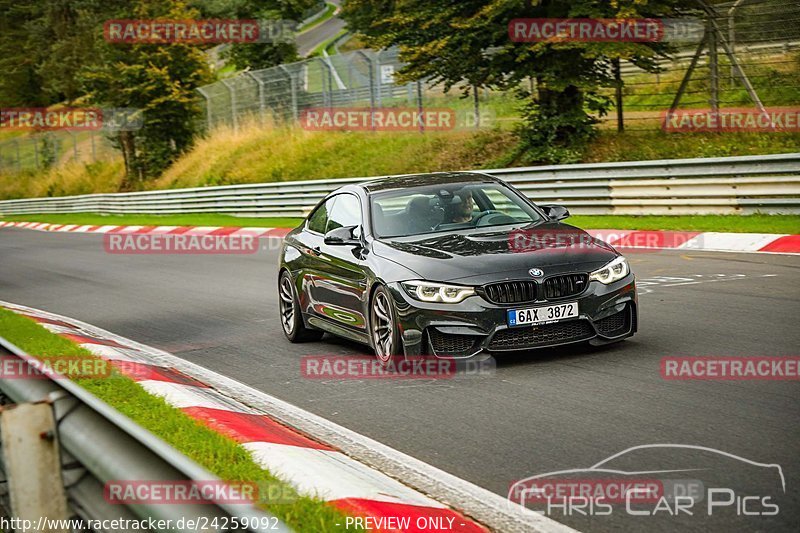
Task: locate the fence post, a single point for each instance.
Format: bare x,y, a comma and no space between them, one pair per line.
732,35
293,89
378,77
713,64
618,95
352,88
476,106
420,107
232,92
327,83
207,98
261,104
74,145
19,159
371,69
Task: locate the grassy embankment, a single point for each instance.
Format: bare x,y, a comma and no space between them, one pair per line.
264,153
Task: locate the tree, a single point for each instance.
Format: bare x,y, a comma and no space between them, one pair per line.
467,41
160,80
262,54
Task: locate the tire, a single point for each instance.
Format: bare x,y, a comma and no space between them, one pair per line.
291,318
384,333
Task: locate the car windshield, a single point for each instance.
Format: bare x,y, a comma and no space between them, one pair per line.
449,207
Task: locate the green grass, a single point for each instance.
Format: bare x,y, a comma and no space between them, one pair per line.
721,223
259,153
219,454
200,219
650,145
774,79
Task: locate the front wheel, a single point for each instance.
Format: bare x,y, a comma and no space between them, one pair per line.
291,320
385,335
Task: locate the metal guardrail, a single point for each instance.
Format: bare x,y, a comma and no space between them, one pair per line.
106,446
727,185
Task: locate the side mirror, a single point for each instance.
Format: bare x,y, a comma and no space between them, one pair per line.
343,236
555,212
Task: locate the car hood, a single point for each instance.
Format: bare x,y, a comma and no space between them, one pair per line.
482,255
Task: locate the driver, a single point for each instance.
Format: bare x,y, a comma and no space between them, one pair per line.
461,206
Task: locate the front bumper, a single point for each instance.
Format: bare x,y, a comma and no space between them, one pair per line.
607,313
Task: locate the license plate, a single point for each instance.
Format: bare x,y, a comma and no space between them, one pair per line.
542,315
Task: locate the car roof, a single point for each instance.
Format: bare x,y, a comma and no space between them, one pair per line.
421,180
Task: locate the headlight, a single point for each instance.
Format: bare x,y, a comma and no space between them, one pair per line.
614,271
427,291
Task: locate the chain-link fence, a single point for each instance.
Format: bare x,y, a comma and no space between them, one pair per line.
360,78
753,43
749,57
45,150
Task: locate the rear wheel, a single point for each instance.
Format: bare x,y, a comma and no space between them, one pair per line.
385,335
291,319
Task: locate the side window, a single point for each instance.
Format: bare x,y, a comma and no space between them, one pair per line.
319,218
346,211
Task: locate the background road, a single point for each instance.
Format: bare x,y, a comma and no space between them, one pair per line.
308,40
539,412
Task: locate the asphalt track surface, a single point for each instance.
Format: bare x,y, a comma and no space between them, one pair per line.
309,40
539,412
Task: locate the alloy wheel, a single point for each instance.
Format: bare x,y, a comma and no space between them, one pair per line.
382,326
286,304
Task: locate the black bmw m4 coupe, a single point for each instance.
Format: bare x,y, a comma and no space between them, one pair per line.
451,265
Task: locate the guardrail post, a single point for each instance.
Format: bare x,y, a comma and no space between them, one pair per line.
32,463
